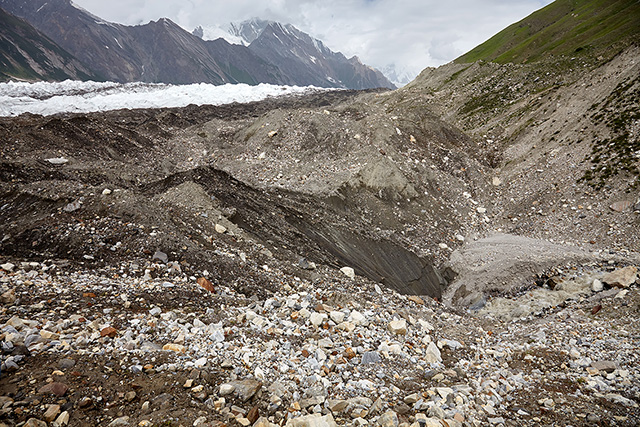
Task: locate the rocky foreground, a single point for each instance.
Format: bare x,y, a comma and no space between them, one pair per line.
145,344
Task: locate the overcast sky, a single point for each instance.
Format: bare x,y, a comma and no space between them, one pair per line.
410,33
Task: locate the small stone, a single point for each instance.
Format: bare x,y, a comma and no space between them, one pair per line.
8,267
398,327
349,353
621,278
122,421
496,181
246,389
109,332
432,354
9,297
253,414
436,412
59,389
337,316
58,160
201,421
161,256
597,285
411,399
174,347
220,229
51,413
371,357
337,406
34,422
349,272
206,284
317,319
314,420
604,365
621,206
388,419
481,210
130,396
62,420
106,192
416,299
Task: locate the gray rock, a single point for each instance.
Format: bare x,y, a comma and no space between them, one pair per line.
66,364
604,365
73,206
315,420
161,256
371,357
246,389
57,160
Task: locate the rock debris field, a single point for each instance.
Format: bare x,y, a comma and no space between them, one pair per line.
118,347
190,267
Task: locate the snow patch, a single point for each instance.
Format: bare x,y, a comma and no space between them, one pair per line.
83,97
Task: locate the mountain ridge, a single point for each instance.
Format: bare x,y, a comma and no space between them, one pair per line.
162,52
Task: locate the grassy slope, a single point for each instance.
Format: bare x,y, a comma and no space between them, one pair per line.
565,27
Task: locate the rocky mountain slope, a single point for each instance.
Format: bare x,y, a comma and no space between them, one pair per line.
162,52
302,58
28,55
426,256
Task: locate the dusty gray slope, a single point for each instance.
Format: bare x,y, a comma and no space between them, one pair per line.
27,54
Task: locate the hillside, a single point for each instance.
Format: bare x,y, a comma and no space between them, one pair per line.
26,54
565,27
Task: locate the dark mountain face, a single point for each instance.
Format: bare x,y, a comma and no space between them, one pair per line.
25,53
161,51
305,60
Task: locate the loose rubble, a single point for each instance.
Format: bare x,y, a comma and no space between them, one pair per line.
126,350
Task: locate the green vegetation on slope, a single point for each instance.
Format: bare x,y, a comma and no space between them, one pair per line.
565,27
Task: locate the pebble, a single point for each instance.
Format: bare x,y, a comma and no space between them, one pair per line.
349,272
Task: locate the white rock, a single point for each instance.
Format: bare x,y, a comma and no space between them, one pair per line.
58,160
597,285
358,318
481,210
432,354
226,389
315,420
106,192
349,272
8,267
201,362
220,229
317,319
337,316
398,327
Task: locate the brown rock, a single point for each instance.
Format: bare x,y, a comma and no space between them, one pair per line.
604,365
349,353
8,297
621,278
109,332
206,284
33,422
253,415
416,299
174,347
59,389
621,206
51,413
596,309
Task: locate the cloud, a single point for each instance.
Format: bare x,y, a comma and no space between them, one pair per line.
410,33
